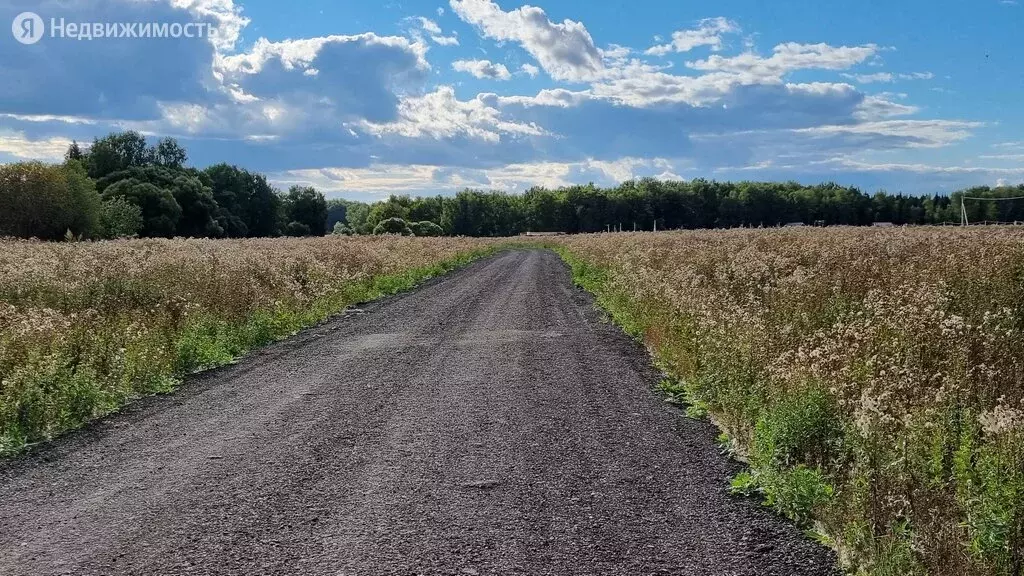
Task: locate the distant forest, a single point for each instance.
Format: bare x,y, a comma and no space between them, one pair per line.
121,186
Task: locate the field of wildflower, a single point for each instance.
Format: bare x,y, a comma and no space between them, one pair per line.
86,327
873,379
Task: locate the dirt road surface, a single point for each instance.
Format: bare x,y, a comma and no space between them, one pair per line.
487,423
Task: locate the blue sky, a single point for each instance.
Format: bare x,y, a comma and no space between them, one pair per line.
365,99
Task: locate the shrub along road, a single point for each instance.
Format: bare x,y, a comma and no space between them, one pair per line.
486,423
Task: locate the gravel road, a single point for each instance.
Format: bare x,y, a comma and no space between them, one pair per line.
487,423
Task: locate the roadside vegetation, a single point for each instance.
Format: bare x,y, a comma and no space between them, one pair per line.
873,379
87,326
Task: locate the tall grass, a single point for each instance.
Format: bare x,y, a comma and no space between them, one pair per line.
86,327
874,379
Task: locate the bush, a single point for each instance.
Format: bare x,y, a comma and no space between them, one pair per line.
341,230
297,229
119,218
426,228
802,427
393,226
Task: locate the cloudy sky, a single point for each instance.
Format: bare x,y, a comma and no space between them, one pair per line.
363,99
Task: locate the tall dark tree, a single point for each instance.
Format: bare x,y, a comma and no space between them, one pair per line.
116,152
337,211
263,207
198,209
74,152
305,212
229,185
169,154
250,206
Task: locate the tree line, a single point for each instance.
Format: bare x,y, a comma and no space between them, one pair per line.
121,186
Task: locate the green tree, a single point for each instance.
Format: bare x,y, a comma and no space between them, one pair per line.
249,205
262,206
118,151
305,206
169,154
160,211
198,209
47,200
229,186
199,215
85,202
74,152
543,210
429,209
119,218
357,215
337,210
393,207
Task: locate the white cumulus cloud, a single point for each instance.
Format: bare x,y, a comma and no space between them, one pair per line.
709,32
483,69
564,50
440,114
787,58
530,70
